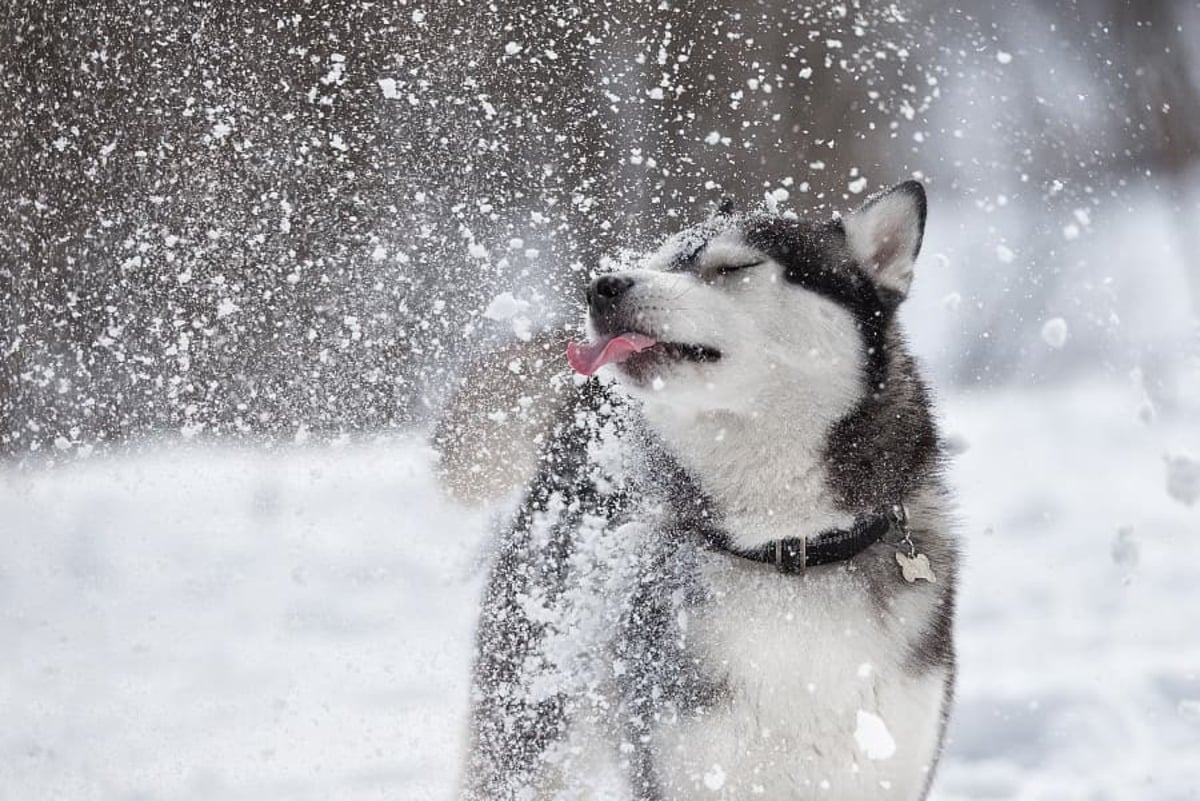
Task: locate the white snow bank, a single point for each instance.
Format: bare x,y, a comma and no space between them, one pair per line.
1075,659
223,624
202,624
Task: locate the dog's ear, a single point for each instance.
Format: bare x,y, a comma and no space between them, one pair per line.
885,233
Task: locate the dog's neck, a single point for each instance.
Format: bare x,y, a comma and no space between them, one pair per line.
765,470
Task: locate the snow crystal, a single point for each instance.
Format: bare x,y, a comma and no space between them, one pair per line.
504,307
1003,57
857,185
872,736
657,384
714,779
1183,478
388,87
221,130
952,302
1054,332
512,48
774,198
1004,254
714,137
226,307
522,328
1070,231
337,70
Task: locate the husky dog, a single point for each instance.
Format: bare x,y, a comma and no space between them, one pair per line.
733,575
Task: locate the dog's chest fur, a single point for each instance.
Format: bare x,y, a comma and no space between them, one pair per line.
812,694
812,697
766,481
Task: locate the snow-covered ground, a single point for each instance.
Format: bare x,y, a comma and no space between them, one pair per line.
202,623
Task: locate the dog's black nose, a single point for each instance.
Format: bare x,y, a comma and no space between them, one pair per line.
604,291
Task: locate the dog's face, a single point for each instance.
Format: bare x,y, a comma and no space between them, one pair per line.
745,312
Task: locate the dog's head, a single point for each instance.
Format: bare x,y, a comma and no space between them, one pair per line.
745,312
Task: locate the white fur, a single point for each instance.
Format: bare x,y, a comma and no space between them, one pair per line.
750,425
803,660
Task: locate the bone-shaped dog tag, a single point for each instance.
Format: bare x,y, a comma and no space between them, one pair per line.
915,567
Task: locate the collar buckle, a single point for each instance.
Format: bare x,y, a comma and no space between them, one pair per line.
791,555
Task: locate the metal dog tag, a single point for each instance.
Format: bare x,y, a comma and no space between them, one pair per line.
915,567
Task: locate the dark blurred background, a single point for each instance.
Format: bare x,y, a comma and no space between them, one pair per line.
292,218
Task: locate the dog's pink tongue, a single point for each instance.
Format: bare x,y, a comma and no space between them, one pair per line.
588,357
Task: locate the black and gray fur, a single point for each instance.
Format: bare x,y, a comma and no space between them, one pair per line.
630,667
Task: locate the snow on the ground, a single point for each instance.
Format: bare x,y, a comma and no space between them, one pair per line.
192,623
1077,662
224,624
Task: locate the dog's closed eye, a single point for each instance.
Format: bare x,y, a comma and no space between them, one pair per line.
721,270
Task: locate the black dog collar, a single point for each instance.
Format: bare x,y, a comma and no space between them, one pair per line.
796,554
